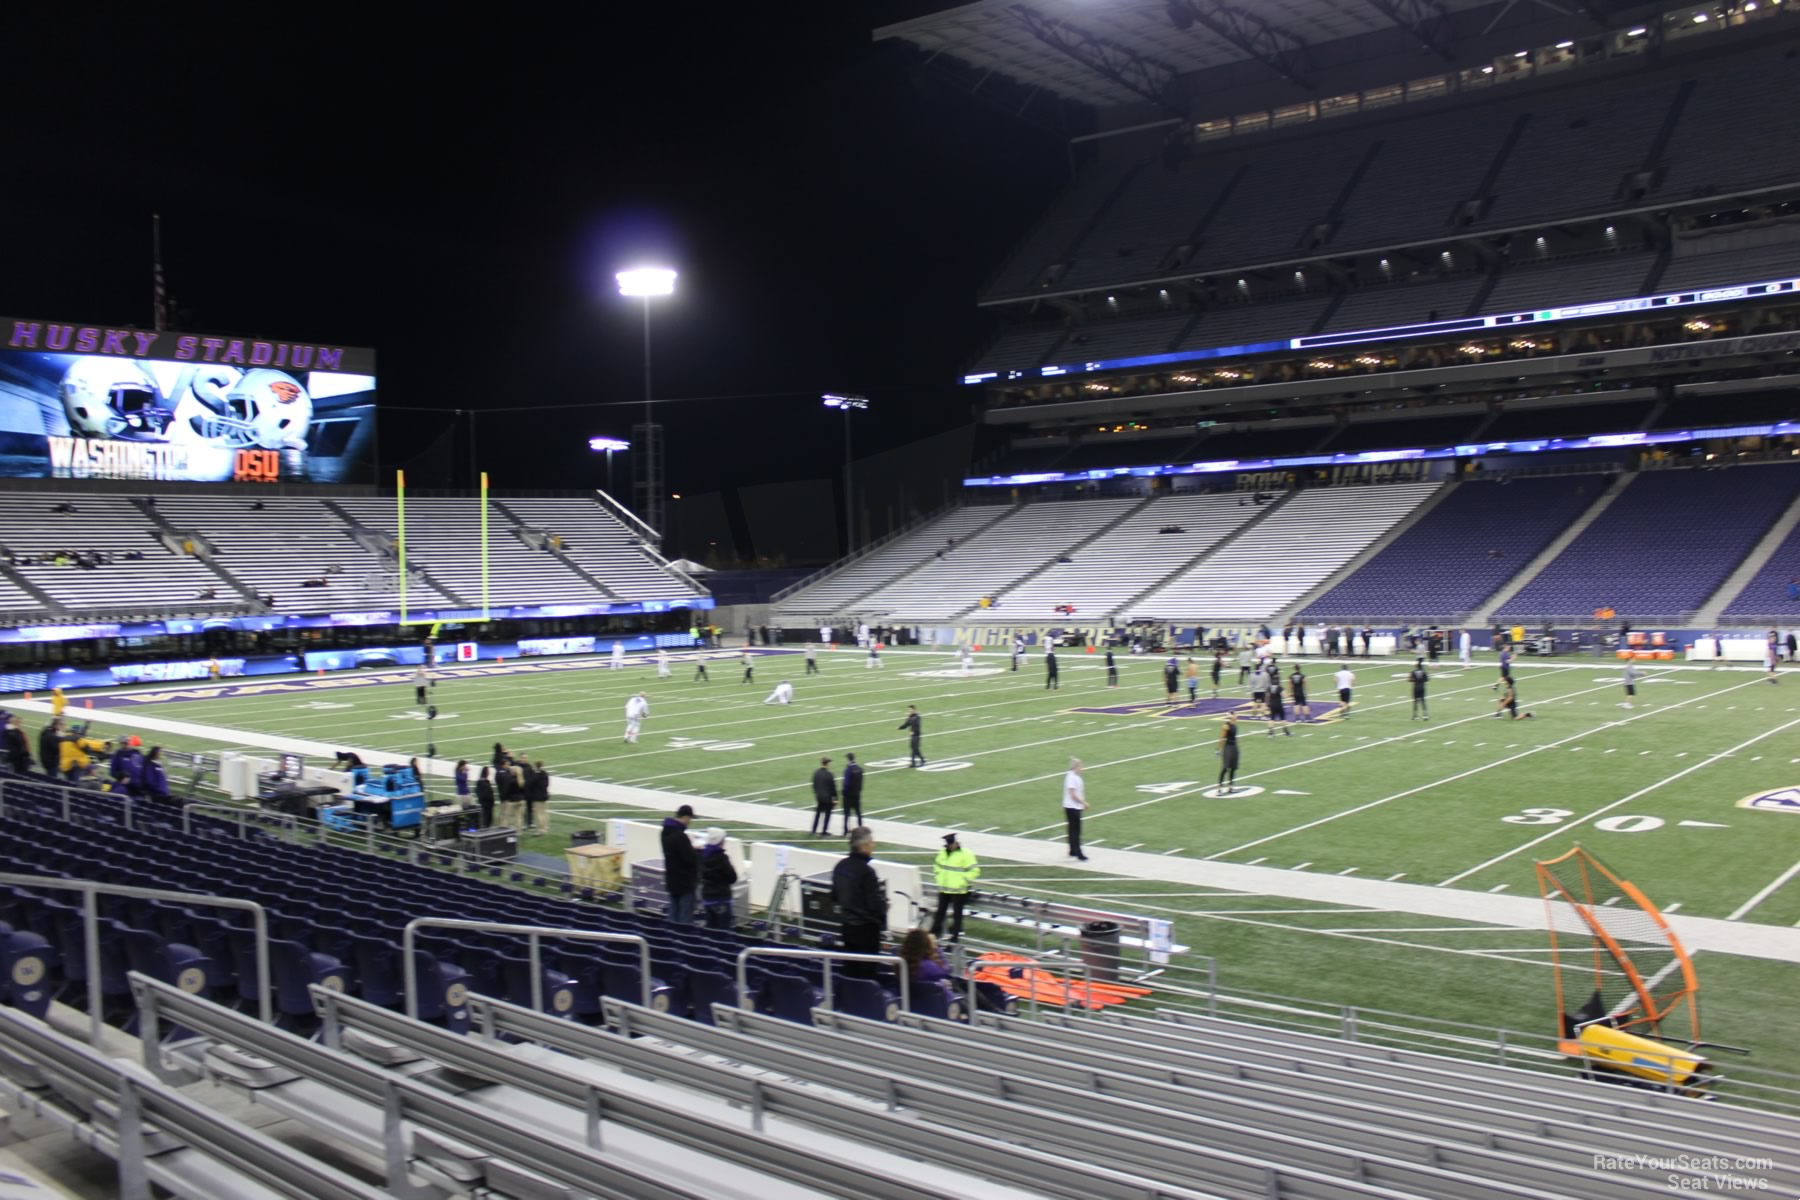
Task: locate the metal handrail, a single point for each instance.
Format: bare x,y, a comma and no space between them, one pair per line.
633,518
90,931
241,813
743,969
140,1102
532,934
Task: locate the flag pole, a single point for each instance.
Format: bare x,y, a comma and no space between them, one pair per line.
160,293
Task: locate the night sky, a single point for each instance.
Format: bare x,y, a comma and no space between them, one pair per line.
456,191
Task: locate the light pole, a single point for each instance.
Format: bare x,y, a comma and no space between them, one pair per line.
846,403
609,445
647,282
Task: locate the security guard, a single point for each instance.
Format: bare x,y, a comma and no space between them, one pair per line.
957,872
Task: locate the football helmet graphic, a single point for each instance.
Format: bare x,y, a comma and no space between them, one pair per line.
274,407
114,398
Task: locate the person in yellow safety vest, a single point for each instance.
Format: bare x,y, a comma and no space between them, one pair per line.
58,702
957,872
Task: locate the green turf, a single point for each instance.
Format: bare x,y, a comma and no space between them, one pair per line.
1376,796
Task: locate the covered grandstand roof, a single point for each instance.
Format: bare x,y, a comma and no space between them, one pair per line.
1107,53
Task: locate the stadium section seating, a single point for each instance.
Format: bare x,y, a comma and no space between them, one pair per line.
1526,286
988,562
1764,597
1405,303
1548,421
839,590
1126,560
1236,325
1715,410
443,537
1743,264
1020,348
112,524
1289,552
1423,432
1472,541
601,544
1662,548
1714,125
1122,339
275,549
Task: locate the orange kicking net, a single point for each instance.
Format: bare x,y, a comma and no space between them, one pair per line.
1019,976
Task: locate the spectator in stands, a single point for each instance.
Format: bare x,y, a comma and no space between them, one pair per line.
205,593
824,786
18,747
50,745
717,878
155,778
861,905
681,865
924,963
484,796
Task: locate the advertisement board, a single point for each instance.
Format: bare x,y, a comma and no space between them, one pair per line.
94,402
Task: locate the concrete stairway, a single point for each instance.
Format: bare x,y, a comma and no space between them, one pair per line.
1484,615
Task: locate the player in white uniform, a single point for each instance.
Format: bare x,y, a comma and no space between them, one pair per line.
783,694
874,659
618,655
968,660
636,709
1465,646
1345,680
662,663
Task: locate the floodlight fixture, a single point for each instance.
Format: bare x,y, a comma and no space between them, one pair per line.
646,281
608,444
833,400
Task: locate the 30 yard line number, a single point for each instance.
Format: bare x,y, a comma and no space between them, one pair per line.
1624,823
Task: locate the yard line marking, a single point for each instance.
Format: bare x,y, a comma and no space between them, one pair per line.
1428,929
1176,850
1501,887
1133,846
1757,899
1095,841
989,829
1254,861
1675,907
1348,871
1439,783
1641,792
1392,878
1610,900
1302,866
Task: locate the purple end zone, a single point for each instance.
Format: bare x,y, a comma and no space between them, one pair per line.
1321,710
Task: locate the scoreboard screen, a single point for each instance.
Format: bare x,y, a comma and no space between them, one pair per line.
97,402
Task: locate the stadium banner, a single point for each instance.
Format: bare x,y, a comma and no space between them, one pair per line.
99,402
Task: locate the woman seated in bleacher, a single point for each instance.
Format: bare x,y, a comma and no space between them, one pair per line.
924,963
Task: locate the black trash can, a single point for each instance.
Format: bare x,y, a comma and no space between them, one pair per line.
1100,951
585,837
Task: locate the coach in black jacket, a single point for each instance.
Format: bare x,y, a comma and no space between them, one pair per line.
681,865
824,787
853,775
861,903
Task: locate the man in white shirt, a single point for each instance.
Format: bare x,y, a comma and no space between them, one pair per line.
783,694
874,659
618,655
812,659
862,633
1074,804
662,663
1346,679
1465,646
968,660
636,709
421,681
825,634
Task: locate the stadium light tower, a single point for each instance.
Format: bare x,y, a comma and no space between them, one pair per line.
609,445
648,283
846,404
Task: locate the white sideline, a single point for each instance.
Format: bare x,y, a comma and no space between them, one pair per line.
1522,912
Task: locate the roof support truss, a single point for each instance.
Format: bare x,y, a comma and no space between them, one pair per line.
1139,74
1426,20
1276,48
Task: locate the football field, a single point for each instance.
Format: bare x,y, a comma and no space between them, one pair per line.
1463,801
